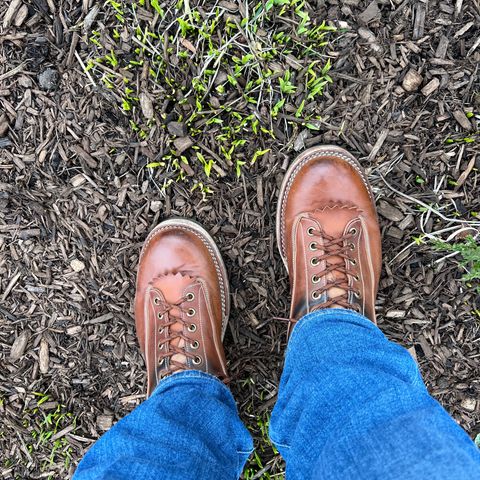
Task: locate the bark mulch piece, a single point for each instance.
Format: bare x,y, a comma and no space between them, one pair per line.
77,201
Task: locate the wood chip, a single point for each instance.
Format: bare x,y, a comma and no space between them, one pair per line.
101,319
389,211
378,145
177,129
63,432
419,10
464,29
462,119
442,47
90,19
427,350
11,12
5,142
474,46
3,125
146,105
78,180
413,353
396,314
188,45
230,6
19,345
182,144
461,179
431,86
43,356
90,161
10,285
12,72
372,12
21,16
72,331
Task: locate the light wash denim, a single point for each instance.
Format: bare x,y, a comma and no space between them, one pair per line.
351,405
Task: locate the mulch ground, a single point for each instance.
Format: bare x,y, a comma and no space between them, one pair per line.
77,200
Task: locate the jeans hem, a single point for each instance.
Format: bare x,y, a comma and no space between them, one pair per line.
189,374
336,313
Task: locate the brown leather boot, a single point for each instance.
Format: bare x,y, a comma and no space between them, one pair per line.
328,233
182,302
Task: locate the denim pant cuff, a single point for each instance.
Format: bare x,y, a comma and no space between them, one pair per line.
189,376
336,314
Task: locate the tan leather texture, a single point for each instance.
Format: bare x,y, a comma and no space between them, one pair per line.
328,233
181,302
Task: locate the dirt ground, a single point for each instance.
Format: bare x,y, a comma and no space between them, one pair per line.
77,199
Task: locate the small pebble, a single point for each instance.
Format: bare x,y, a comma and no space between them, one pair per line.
155,206
48,79
77,265
412,81
104,422
469,404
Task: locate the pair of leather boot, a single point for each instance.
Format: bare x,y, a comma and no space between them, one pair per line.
329,240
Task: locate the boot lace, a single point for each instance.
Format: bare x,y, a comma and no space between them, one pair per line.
334,247
167,348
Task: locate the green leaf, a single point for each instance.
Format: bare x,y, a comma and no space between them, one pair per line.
277,107
238,167
259,153
299,111
419,180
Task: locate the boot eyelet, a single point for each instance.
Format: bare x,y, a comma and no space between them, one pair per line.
353,231
190,297
160,362
194,345
191,312
353,261
156,301
356,278
314,261
315,279
160,346
313,246
160,330
197,360
315,295
356,295
310,231
160,315
351,246
192,328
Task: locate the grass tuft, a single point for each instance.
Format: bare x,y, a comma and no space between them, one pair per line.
469,251
241,79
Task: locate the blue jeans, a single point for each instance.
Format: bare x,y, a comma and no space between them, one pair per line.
351,405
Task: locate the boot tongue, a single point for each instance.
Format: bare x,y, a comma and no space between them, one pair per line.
333,220
172,286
